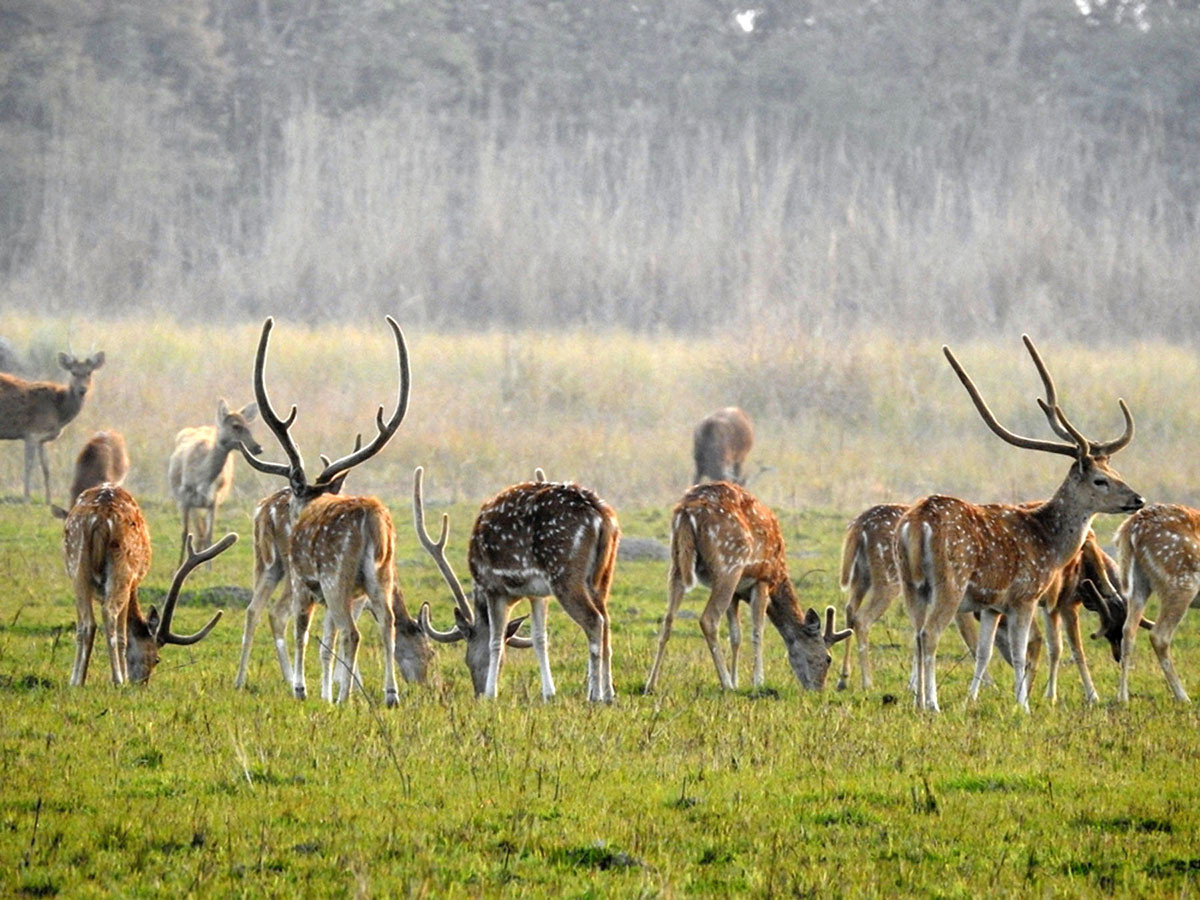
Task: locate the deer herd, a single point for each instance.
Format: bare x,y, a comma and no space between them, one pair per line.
987,567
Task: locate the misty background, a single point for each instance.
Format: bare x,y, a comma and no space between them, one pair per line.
666,165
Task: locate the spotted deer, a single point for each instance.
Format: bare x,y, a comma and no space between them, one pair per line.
37,411
343,547
200,471
997,558
723,537
272,533
720,444
533,539
1158,551
106,548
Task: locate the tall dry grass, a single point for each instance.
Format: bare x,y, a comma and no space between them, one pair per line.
648,226
840,426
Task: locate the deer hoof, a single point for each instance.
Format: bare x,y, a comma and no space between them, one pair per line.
391,699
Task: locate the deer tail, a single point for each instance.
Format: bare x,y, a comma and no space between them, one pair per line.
606,552
683,548
851,552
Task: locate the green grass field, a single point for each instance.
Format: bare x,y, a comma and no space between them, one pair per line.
186,786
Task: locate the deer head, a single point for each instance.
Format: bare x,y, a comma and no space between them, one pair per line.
808,653
470,625
233,426
147,637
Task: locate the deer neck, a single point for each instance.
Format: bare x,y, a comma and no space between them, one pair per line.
1063,523
70,401
784,610
216,460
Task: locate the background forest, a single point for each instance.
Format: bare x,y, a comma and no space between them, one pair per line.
996,166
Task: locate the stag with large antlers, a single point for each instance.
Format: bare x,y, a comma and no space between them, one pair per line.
343,547
1159,553
106,547
1000,558
533,539
723,537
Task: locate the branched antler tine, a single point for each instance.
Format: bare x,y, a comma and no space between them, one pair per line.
832,637
279,427
438,550
1003,433
357,444
164,634
384,430
442,637
1108,448
1051,400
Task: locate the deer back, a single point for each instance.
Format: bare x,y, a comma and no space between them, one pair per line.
333,535
105,538
731,531
538,537
102,459
720,444
868,550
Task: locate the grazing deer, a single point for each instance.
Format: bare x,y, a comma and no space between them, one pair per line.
106,547
726,539
37,411
200,471
1158,550
343,547
1000,558
533,539
720,444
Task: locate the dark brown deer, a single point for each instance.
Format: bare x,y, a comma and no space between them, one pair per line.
36,411
723,537
533,539
343,547
720,444
1158,550
102,460
999,558
106,548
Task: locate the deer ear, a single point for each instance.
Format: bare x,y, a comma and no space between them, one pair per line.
222,409
97,359
64,360
57,511
513,626
812,623
461,621
250,411
152,619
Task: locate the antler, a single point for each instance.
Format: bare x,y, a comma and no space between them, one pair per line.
830,636
1073,450
385,430
1058,420
442,637
164,634
438,550
279,427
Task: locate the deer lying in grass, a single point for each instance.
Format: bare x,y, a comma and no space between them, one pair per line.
200,471
106,547
723,537
720,444
1158,549
998,559
36,411
343,547
533,539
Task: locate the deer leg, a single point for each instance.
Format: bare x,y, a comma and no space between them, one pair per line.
277,615
30,451
675,591
302,606
1054,636
710,621
1171,611
734,617
329,676
41,448
498,607
758,614
112,624
85,631
989,619
944,601
541,642
1133,617
580,607
1019,622
264,584
379,600
351,637
1071,617
187,512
